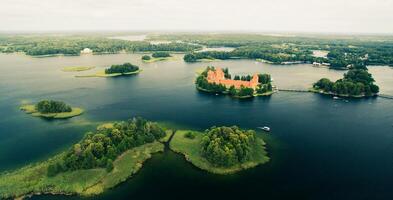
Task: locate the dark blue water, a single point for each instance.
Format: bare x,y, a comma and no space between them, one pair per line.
320,148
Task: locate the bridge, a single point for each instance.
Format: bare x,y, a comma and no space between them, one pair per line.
385,96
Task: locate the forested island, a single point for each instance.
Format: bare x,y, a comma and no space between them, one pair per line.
156,56
116,151
51,109
116,70
221,150
101,160
357,82
218,81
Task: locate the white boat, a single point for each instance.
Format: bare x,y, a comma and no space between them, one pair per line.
336,97
265,128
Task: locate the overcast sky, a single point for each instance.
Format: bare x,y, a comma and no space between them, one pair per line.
342,16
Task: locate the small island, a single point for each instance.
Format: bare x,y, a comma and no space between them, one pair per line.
156,56
218,81
101,160
116,70
357,83
76,69
221,150
51,109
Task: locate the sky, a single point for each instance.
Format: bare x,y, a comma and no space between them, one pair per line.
314,16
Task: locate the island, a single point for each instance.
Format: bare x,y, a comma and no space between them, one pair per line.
51,109
115,70
218,81
221,150
157,56
76,69
115,151
356,83
101,160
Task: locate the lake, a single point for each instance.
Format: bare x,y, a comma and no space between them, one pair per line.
320,148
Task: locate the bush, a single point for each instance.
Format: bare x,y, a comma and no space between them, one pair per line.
189,135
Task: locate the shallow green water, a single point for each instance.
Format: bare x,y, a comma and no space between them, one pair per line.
321,148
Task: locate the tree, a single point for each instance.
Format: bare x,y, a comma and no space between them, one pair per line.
232,91
109,165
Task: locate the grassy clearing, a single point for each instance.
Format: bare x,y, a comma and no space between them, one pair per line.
30,109
190,148
32,179
76,69
102,74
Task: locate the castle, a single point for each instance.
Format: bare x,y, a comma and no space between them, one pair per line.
217,76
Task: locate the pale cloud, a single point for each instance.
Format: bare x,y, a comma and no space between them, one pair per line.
366,16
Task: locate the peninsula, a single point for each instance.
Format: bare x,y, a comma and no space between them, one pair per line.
51,109
218,80
101,160
116,151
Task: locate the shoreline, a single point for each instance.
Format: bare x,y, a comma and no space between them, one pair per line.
266,94
101,74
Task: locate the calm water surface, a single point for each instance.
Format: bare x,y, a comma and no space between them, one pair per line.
321,148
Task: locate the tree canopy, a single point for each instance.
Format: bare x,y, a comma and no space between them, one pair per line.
160,54
124,68
51,106
100,148
227,146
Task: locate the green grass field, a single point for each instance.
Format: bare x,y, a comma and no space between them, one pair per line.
30,109
76,69
191,150
102,74
32,179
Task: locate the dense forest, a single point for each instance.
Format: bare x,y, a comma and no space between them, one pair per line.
50,106
98,149
123,68
227,146
264,85
356,82
343,50
160,55
72,45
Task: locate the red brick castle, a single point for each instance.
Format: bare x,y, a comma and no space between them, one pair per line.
217,76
